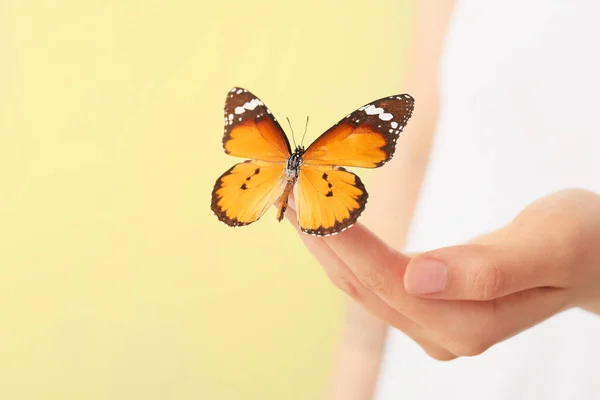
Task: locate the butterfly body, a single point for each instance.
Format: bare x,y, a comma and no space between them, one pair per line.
292,171
328,198
292,168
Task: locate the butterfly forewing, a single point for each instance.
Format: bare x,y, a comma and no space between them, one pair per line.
365,138
251,131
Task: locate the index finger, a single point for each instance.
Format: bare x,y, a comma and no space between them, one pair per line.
377,266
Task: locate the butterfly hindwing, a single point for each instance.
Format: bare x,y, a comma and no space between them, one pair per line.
251,131
246,191
329,199
365,138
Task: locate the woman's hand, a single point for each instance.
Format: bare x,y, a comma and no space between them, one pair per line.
461,300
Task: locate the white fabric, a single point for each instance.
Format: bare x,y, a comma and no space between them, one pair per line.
520,82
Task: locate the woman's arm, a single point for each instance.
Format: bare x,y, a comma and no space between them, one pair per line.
393,196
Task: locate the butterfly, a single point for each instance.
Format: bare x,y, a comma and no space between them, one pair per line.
328,198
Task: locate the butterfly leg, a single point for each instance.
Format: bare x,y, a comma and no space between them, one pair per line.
282,202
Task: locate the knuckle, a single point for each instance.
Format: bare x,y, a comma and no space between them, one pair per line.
373,281
489,282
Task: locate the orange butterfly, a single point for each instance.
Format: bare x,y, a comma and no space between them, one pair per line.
328,198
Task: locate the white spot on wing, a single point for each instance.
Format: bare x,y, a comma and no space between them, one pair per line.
252,104
239,110
372,110
385,116
394,124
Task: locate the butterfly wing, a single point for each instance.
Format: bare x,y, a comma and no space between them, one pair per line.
329,199
365,138
246,191
251,131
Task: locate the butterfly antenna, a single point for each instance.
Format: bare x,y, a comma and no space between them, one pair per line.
292,129
305,129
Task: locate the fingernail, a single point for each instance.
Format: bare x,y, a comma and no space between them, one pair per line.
426,276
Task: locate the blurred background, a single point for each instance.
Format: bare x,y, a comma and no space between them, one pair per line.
116,281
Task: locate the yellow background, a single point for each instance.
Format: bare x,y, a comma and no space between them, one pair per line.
116,281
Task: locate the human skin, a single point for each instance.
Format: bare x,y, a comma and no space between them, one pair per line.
393,195
545,261
461,300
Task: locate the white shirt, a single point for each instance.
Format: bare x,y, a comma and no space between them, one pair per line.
519,119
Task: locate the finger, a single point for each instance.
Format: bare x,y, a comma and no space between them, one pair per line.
513,259
472,327
380,271
375,264
345,280
378,267
339,273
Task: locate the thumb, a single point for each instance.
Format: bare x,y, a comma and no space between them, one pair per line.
501,265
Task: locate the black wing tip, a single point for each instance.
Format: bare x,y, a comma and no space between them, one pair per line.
402,96
235,89
239,91
237,97
390,147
